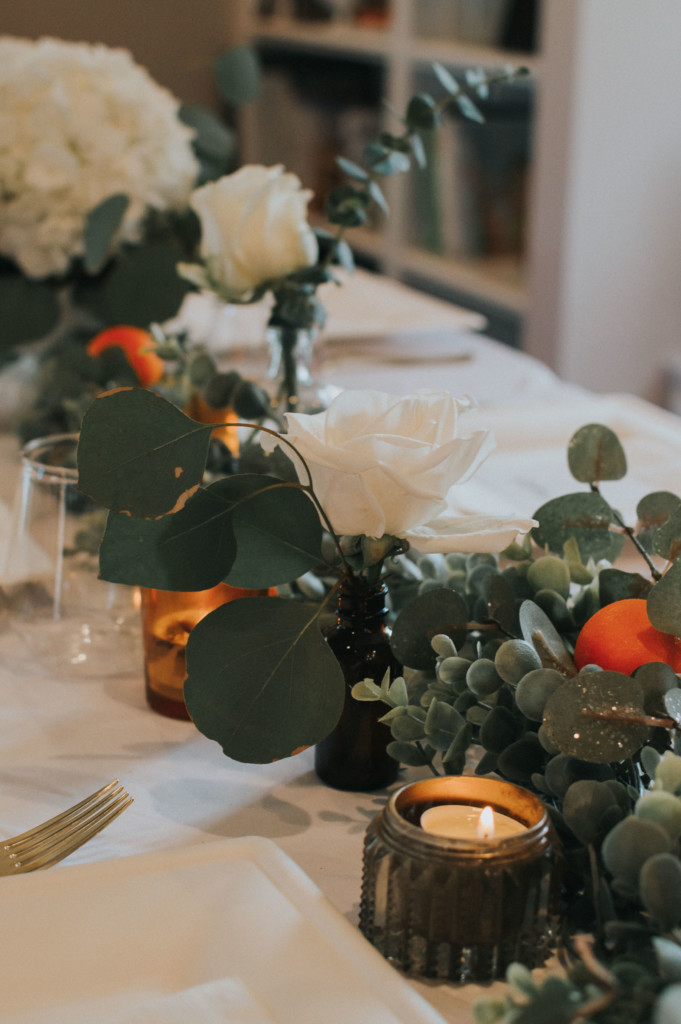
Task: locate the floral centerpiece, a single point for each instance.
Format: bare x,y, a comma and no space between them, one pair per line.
376,472
504,655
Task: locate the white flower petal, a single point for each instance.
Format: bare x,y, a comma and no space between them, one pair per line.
467,533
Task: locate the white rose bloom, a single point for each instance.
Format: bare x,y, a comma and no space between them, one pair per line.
79,123
254,227
382,464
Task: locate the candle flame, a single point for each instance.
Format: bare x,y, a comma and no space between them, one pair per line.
485,827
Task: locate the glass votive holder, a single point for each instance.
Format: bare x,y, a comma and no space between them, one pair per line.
461,908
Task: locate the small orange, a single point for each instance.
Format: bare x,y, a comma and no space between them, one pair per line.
138,346
620,637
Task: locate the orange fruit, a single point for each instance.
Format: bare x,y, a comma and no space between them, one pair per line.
620,637
148,366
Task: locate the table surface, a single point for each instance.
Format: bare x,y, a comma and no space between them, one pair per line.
66,734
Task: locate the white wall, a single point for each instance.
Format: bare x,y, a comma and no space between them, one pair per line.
606,238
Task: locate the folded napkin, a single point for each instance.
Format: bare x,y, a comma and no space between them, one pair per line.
223,1001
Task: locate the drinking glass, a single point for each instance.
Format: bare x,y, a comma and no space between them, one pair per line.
57,608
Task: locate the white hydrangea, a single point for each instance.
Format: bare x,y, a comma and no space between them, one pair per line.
78,123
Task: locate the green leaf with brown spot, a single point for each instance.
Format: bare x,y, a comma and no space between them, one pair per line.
262,681
584,516
139,454
595,454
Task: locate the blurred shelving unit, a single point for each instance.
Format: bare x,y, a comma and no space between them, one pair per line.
335,70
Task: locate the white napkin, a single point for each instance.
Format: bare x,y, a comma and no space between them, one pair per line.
223,1001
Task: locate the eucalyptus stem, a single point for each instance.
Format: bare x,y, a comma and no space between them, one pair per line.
654,572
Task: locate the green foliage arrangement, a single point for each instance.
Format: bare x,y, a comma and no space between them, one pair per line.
490,645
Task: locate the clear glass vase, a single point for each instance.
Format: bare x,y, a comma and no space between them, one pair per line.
294,362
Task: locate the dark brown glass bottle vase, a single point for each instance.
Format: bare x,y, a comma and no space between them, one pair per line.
354,756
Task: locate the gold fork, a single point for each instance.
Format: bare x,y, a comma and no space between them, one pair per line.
46,844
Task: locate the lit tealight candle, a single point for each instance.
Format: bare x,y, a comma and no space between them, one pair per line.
466,821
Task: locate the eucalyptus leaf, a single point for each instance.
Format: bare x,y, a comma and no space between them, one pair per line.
140,454
660,885
423,112
579,573
344,256
261,679
469,109
538,630
664,602
30,309
442,724
277,530
377,194
628,845
572,717
618,585
656,679
352,169
584,515
140,286
214,143
418,150
101,225
595,453
404,728
446,80
520,760
668,955
391,163
667,539
584,805
346,206
169,553
407,754
437,611
238,74
652,511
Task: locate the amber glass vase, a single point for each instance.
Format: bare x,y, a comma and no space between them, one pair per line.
168,617
354,755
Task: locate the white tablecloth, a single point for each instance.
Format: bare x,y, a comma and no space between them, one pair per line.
63,737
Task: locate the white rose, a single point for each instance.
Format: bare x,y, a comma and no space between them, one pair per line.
382,464
254,227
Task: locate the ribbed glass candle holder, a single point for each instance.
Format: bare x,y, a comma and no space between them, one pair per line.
460,908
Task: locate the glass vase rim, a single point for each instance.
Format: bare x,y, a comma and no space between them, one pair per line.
535,830
43,470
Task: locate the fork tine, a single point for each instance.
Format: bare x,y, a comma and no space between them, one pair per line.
82,808
57,847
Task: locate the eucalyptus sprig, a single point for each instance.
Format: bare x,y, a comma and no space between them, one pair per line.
261,679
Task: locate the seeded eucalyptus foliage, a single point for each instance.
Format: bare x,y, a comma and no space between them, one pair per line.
488,644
